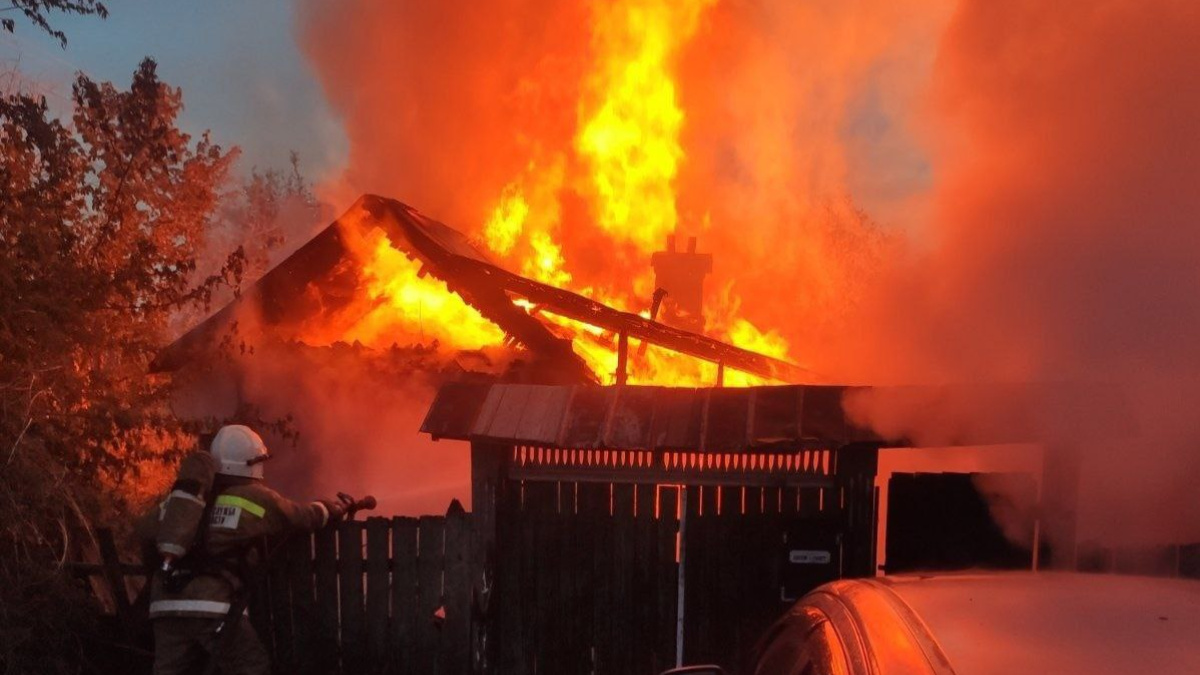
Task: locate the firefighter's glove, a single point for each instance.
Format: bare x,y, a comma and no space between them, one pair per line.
337,510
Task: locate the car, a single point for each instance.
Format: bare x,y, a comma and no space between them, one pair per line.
1018,623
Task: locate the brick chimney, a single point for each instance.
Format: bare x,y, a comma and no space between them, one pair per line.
681,274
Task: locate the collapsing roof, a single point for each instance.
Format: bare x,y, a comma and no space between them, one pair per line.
319,277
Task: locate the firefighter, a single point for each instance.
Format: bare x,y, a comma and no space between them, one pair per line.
203,575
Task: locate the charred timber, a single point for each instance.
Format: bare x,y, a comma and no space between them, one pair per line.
485,285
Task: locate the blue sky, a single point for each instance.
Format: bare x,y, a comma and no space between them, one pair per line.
243,75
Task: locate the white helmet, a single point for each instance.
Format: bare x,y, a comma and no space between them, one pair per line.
239,451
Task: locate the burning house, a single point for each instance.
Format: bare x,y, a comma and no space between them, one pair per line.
615,526
316,287
398,303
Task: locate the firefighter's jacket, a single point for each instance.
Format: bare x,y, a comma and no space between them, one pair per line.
245,517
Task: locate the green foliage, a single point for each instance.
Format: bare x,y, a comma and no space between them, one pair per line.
37,11
100,225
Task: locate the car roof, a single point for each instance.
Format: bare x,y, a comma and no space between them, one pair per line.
1062,623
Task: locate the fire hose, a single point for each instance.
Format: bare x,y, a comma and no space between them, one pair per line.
224,634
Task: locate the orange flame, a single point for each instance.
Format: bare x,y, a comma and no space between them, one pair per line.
622,162
409,307
630,135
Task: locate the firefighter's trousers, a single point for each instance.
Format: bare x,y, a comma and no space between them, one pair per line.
183,646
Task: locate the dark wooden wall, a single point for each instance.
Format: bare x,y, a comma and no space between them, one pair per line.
582,588
587,573
738,575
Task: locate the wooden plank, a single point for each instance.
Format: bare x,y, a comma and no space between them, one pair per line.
776,414
645,608
622,374
593,507
542,415
666,570
718,560
711,550
325,570
431,530
604,569
821,415
456,634
560,648
575,584
279,598
487,486
487,411
760,583
658,475
584,424
810,502
632,418
508,413
580,308
592,502
771,499
728,411
507,594
623,601
455,408
299,562
378,590
726,577
790,498
856,468
350,587
529,615
677,414
692,570
116,581
543,618
404,597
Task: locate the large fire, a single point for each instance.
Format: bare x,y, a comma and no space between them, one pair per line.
630,118
410,305
623,162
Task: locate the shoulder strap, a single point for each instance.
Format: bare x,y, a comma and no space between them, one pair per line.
201,544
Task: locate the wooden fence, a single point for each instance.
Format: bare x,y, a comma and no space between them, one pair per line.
588,574
587,582
385,596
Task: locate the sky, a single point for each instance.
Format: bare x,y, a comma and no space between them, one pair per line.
242,73
245,77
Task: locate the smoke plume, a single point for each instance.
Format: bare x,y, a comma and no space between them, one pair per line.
1062,244
937,192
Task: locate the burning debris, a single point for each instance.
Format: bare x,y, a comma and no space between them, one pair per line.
384,272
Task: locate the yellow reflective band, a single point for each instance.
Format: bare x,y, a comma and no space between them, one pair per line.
246,504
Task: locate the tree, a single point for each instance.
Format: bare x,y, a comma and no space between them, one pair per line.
100,224
37,11
258,216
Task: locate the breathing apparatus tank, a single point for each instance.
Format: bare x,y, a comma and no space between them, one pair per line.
180,516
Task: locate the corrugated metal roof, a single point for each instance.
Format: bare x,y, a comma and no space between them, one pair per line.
644,418
790,416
